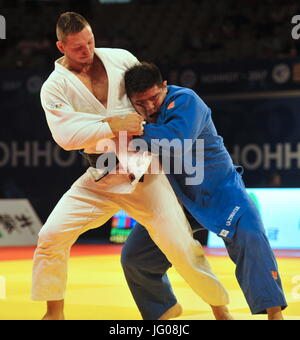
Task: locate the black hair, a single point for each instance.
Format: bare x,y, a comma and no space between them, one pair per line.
141,77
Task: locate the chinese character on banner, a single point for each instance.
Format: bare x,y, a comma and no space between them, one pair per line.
8,222
19,223
273,234
25,222
12,223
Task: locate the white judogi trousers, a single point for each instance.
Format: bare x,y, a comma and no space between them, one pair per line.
153,204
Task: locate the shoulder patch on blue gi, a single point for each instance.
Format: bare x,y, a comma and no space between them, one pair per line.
171,105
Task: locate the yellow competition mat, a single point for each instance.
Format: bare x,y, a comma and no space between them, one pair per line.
97,290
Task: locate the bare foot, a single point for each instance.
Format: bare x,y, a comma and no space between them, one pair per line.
55,310
49,316
172,312
275,313
221,313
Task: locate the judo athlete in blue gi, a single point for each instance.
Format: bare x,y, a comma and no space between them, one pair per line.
218,201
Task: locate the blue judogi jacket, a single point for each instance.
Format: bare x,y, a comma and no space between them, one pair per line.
220,199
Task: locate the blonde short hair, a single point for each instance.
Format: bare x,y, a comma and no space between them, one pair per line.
68,23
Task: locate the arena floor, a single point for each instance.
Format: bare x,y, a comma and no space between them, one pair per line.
97,289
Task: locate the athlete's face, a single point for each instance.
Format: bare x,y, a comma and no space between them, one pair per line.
148,103
79,47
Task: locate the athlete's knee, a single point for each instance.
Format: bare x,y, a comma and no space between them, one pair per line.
253,238
148,261
45,235
128,257
250,227
50,237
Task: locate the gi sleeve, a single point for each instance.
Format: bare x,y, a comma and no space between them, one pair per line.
72,130
127,58
185,117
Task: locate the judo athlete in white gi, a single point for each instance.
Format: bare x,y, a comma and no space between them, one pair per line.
83,99
219,201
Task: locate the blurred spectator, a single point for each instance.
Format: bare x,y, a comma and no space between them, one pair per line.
164,31
9,189
274,180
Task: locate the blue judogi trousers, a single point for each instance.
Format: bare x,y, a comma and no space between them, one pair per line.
145,268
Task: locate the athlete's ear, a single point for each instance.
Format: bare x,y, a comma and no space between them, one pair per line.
165,84
60,46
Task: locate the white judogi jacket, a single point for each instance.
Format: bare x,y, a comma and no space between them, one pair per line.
75,116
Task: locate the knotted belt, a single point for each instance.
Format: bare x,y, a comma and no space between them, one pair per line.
110,163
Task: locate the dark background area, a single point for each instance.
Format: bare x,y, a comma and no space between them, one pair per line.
239,56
